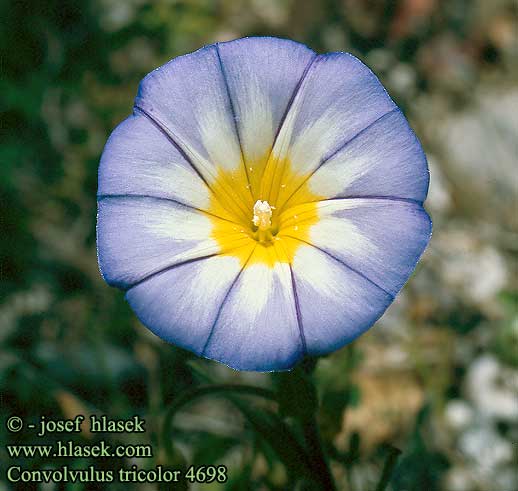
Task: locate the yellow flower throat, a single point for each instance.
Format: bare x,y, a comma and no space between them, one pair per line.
265,212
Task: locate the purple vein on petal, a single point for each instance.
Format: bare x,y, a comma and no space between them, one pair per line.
294,94
168,268
180,263
220,309
343,263
298,312
172,139
363,130
163,129
162,198
296,302
234,117
337,150
370,197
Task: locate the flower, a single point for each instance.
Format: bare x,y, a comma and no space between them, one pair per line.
262,202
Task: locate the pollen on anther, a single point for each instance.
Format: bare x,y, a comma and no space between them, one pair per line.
262,215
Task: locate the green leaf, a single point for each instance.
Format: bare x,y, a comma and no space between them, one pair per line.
191,395
219,446
282,440
265,423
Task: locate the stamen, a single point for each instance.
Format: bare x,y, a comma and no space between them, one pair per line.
262,215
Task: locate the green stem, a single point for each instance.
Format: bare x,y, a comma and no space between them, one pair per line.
388,468
314,446
309,424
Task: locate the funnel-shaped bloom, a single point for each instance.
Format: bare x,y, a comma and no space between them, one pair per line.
262,202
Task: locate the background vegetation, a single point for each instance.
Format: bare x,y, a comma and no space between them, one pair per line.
436,378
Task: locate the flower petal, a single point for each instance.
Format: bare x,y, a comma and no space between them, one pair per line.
139,160
140,236
338,98
257,328
169,302
187,97
262,75
381,239
336,304
386,159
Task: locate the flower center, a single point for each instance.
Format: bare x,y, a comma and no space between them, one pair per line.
257,226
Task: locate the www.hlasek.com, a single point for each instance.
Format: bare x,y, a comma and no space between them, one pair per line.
101,449
72,449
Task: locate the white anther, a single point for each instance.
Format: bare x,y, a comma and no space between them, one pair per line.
262,215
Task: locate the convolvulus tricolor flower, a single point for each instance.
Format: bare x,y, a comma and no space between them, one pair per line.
262,202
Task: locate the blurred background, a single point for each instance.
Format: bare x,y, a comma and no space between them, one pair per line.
436,377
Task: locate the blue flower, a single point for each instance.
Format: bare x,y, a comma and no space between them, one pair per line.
262,202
